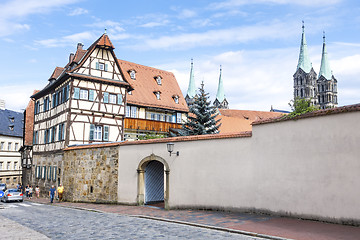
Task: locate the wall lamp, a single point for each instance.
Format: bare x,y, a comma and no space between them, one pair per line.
170,148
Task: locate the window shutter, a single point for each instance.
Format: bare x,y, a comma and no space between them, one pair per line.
49,173
67,92
54,173
44,136
92,129
119,99
106,133
34,138
106,97
97,66
91,95
59,133
76,93
106,67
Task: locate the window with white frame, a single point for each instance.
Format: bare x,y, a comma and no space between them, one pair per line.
43,172
9,146
8,165
84,94
16,146
112,98
127,111
97,133
178,117
2,145
1,165
133,111
15,165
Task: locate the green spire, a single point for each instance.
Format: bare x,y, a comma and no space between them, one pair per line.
304,60
191,92
325,65
220,96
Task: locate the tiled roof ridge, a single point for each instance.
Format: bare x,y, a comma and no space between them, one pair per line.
140,65
323,112
56,73
164,140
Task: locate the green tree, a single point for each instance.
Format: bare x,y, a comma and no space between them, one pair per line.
300,106
201,119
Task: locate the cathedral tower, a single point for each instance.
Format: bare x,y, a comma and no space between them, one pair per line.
305,76
326,83
191,92
220,101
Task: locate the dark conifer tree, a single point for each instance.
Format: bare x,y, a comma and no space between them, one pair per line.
201,118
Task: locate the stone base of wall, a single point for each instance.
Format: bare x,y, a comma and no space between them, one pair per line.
48,160
91,175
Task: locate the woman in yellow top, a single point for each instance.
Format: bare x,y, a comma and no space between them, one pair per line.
60,191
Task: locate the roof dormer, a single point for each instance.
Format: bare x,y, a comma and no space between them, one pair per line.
158,79
132,74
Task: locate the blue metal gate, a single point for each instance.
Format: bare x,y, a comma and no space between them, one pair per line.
154,182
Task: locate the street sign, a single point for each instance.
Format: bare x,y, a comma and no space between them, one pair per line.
1,194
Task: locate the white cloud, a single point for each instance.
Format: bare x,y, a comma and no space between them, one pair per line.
67,40
78,11
187,13
243,34
237,3
17,96
13,13
155,24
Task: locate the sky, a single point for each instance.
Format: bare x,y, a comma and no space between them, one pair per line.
257,43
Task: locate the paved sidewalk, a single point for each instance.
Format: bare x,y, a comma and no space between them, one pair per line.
261,224
13,230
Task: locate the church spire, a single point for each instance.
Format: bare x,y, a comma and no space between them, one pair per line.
304,60
220,101
325,65
191,92
220,96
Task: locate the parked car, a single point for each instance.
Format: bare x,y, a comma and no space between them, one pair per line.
12,194
2,187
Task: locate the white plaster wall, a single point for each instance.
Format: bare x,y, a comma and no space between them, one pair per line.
308,167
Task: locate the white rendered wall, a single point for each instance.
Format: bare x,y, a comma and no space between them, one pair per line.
308,167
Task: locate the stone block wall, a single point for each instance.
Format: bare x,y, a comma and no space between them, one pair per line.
91,175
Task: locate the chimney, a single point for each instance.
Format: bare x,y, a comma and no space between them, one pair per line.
71,57
80,46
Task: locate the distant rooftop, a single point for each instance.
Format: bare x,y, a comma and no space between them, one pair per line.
11,123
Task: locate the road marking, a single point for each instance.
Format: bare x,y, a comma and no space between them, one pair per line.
24,205
36,204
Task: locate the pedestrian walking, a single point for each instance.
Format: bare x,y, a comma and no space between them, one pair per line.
27,191
19,187
60,191
37,191
30,192
52,193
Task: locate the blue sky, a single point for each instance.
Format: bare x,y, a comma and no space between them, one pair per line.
256,42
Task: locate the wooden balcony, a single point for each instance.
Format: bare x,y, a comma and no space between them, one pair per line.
149,125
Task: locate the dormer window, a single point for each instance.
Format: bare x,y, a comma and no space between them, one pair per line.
12,119
157,94
130,92
11,127
158,80
132,74
176,99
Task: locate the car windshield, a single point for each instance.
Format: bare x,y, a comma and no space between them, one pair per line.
12,190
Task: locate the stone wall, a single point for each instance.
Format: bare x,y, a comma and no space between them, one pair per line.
91,175
46,160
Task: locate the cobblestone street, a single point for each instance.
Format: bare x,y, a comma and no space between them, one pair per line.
66,223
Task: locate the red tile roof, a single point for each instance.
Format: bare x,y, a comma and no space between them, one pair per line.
240,120
57,72
319,113
164,140
145,85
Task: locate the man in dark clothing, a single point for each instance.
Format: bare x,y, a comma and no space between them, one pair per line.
52,193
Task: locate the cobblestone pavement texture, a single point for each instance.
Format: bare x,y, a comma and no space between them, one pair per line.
13,230
262,224
68,223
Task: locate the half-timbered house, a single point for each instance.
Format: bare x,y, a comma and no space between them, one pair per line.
98,98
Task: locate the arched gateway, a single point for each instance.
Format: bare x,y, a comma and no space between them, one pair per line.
153,180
